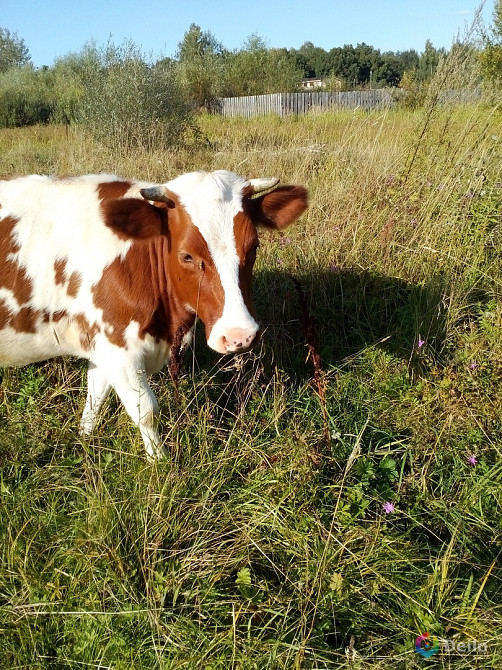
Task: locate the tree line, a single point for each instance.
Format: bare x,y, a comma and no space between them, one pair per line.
208,70
117,90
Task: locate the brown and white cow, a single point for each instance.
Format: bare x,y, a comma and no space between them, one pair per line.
108,270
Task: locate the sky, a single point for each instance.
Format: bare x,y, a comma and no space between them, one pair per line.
54,28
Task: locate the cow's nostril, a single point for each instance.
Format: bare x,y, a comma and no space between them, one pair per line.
236,340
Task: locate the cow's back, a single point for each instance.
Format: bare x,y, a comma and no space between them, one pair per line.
54,247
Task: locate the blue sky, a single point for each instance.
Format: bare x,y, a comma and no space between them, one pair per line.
53,28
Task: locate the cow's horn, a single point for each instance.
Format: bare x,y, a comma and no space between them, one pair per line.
263,184
158,194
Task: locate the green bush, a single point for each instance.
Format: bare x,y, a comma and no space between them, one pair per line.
124,100
25,97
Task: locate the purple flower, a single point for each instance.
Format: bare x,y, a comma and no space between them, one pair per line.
388,507
280,261
333,269
420,343
473,365
285,240
472,460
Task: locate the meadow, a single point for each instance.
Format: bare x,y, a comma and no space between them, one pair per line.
328,497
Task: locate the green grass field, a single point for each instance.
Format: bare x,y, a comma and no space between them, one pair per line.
327,498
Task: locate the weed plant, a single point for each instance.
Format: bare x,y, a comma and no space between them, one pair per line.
328,497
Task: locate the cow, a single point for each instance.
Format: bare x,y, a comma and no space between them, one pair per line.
110,270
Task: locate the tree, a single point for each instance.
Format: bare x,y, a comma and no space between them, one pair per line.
389,70
343,64
491,56
356,66
197,44
257,70
409,59
13,50
200,62
428,61
316,60
367,62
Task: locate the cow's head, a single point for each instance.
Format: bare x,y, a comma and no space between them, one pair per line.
212,221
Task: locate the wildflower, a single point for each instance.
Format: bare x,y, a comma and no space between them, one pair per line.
335,435
280,261
420,343
472,460
333,269
388,507
473,365
285,240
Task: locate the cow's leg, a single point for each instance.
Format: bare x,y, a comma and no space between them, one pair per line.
141,404
98,388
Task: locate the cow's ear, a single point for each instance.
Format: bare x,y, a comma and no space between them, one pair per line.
279,208
131,218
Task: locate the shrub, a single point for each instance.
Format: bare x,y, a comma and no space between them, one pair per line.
125,101
25,97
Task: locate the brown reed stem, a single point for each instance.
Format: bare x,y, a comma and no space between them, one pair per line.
308,326
177,353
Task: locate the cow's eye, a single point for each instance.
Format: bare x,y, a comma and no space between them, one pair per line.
185,258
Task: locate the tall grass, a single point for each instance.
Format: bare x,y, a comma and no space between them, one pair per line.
262,541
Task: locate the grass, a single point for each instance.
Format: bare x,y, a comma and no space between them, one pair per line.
262,542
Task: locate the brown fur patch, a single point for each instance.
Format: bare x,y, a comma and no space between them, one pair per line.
59,272
246,241
87,331
54,317
133,218
74,283
112,190
25,321
127,292
12,276
4,315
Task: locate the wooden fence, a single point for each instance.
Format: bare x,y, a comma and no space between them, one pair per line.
283,104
